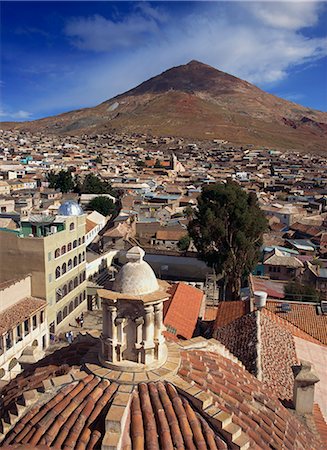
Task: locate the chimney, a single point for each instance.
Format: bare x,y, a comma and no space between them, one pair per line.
260,299
305,379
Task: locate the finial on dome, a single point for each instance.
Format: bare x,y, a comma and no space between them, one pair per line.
135,254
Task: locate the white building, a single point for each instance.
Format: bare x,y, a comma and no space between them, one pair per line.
23,327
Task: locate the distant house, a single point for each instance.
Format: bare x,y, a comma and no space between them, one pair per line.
169,238
317,277
281,266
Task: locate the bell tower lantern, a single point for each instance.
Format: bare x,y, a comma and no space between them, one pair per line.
132,336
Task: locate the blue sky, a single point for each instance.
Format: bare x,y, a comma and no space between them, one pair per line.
59,56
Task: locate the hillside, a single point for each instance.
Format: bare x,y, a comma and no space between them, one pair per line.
196,101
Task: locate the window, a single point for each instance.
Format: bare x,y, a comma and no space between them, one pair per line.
83,258
9,340
79,241
50,277
70,286
79,258
80,298
26,327
71,226
58,295
69,247
19,333
76,302
84,295
70,264
34,321
65,314
59,317
57,272
64,290
57,252
63,268
71,307
75,282
75,261
49,256
63,249
42,317
83,239
75,244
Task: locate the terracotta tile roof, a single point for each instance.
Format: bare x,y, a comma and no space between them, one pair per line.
182,310
254,407
158,415
161,418
210,313
89,225
20,311
228,311
57,363
69,419
264,347
320,423
241,338
278,355
290,327
303,316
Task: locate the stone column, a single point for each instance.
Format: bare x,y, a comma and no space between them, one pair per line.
139,322
120,336
148,335
158,322
112,329
105,322
109,333
305,379
158,329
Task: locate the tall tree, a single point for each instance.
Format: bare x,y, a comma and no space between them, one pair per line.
94,185
62,180
227,229
104,205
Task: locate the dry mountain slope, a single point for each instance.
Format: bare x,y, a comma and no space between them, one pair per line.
200,102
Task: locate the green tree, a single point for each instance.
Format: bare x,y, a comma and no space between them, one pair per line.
62,180
104,205
184,243
94,185
227,228
295,291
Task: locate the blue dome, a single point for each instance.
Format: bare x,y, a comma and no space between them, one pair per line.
70,208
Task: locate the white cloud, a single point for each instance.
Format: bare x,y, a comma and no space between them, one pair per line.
19,115
259,42
287,14
99,34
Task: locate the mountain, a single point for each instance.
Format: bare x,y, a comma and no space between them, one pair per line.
196,101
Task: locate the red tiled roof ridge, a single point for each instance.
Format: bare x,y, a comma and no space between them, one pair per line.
304,317
291,327
254,408
320,422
